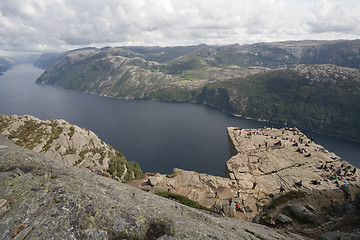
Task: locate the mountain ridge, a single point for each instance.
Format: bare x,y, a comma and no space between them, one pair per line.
224,77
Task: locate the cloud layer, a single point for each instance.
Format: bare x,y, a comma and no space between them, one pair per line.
50,25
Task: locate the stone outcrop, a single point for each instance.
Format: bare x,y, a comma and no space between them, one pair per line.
317,214
262,166
301,212
294,178
52,200
201,188
269,161
65,142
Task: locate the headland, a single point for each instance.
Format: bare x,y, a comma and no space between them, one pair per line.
263,163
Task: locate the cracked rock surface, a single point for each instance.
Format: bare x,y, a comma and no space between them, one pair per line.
259,166
282,158
57,201
62,141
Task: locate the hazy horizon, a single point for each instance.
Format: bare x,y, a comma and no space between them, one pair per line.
36,26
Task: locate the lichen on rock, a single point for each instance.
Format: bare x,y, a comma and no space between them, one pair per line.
68,143
59,201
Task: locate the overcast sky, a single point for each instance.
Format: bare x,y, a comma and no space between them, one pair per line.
58,25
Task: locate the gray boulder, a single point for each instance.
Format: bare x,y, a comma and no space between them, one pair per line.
337,235
302,212
283,218
153,181
229,210
248,209
257,218
310,207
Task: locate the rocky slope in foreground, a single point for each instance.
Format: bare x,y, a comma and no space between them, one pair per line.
68,143
42,198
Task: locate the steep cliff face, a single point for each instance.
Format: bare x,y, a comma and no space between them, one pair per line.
261,163
107,72
67,143
42,198
320,98
279,158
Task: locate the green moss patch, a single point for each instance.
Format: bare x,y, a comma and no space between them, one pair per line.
285,198
183,200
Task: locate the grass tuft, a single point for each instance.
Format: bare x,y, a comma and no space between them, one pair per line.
183,200
285,198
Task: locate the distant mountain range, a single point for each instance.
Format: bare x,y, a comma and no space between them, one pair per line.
5,63
314,85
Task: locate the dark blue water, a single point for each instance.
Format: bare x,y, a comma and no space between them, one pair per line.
159,136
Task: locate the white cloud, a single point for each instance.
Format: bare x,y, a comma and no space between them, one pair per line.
334,16
62,24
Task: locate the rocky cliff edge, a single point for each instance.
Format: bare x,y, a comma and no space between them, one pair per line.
68,143
41,198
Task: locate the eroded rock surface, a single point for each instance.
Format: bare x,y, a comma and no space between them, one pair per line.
62,141
262,166
57,201
269,161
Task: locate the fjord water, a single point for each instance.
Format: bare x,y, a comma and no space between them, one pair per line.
159,136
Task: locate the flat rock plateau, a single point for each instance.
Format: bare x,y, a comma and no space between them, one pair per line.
265,166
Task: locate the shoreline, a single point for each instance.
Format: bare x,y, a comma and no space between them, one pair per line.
213,107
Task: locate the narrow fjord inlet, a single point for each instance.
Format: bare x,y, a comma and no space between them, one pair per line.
159,136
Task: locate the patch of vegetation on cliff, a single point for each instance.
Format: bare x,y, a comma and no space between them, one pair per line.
173,94
72,132
285,198
117,166
183,200
30,132
172,175
134,171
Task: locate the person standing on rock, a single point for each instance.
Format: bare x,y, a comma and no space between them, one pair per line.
216,195
237,207
238,192
230,201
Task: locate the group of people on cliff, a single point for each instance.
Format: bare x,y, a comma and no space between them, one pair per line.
341,174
